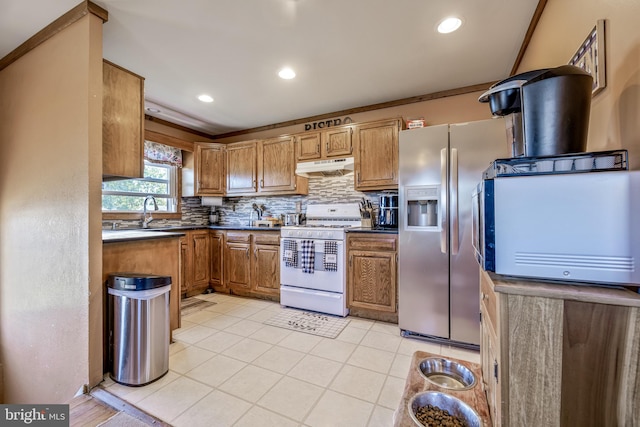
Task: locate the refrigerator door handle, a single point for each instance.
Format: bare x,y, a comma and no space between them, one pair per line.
443,201
455,223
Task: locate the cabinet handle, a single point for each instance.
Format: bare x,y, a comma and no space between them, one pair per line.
255,253
358,176
318,148
247,252
262,183
350,260
495,370
327,146
254,182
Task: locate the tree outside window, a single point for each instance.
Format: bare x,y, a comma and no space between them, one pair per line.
128,195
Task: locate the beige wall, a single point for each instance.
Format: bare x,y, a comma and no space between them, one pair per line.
50,245
615,112
453,109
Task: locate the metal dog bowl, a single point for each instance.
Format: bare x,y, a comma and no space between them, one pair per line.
447,374
454,406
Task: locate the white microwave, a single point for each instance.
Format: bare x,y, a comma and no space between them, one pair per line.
582,227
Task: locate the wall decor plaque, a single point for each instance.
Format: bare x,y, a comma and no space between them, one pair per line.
590,56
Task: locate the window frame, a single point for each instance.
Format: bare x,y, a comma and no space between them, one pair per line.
175,183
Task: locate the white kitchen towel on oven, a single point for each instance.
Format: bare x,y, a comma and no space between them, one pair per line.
290,253
330,256
308,256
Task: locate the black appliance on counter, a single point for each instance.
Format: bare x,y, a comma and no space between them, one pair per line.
388,215
547,110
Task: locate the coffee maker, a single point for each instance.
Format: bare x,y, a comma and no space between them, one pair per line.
388,214
547,110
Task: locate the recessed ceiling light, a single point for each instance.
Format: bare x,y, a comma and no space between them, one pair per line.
153,110
449,25
286,73
205,98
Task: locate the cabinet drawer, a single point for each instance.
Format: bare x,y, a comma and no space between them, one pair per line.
238,237
372,243
266,238
488,298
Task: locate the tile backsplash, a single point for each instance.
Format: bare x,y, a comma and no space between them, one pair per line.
237,210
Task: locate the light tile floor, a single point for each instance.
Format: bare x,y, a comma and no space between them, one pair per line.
226,368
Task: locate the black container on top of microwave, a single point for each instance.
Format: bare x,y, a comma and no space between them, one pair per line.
551,110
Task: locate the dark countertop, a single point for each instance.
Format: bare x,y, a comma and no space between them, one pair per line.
372,230
110,236
242,227
120,235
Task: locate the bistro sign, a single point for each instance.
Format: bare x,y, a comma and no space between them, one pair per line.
327,123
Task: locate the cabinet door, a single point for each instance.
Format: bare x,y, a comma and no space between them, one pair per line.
185,266
216,246
376,155
276,164
337,142
372,280
490,371
200,247
242,168
266,269
308,146
209,169
122,122
237,265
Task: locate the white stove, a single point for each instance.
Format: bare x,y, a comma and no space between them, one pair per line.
313,258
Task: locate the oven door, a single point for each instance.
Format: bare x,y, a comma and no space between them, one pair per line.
322,278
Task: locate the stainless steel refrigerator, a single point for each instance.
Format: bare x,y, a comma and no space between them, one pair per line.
438,276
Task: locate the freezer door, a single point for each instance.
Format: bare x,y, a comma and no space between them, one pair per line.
474,146
423,260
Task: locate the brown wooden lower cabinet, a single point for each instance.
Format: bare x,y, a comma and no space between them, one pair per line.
216,250
266,264
559,355
372,275
252,264
237,266
195,252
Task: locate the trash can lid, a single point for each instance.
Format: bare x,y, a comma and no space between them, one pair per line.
137,281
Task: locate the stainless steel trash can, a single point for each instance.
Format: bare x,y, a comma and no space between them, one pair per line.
138,327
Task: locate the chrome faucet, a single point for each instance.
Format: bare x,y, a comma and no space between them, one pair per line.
145,220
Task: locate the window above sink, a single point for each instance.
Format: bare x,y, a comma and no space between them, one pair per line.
128,195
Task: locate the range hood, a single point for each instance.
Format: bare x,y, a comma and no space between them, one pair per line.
333,167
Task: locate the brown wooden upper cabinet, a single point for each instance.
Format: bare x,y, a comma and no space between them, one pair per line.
335,142
122,122
376,155
265,166
277,167
242,168
209,169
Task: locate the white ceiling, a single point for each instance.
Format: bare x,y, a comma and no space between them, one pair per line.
346,53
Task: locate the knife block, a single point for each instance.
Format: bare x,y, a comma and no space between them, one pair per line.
366,221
